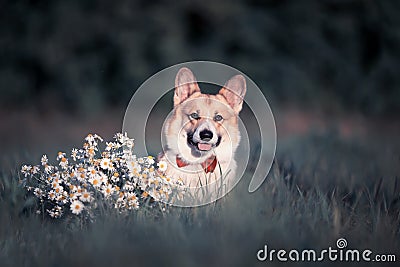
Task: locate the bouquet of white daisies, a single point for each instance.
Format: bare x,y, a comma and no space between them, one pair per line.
89,176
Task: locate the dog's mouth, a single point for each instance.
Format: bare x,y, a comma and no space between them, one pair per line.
202,146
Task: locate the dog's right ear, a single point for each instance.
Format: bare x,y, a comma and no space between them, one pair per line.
234,91
185,85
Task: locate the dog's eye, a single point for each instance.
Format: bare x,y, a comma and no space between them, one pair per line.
218,118
194,116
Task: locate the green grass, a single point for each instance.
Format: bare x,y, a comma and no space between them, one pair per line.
319,189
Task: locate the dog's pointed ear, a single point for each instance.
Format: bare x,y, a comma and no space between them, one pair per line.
234,91
185,85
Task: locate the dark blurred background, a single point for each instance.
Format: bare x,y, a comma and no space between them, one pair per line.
70,67
329,69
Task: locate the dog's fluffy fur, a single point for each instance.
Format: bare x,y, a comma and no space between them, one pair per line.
200,127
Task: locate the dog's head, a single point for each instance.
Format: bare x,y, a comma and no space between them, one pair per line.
203,124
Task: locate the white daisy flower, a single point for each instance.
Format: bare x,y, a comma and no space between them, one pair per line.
63,197
107,190
150,160
55,183
134,166
86,197
35,169
52,195
162,165
77,190
119,137
132,200
60,155
95,181
134,204
92,172
63,162
59,190
73,196
109,146
115,177
105,164
102,177
90,138
167,180
48,169
44,160
76,207
38,192
74,154
26,169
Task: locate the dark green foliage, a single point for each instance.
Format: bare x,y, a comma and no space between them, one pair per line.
84,55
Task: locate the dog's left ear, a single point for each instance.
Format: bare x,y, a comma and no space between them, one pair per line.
234,91
185,85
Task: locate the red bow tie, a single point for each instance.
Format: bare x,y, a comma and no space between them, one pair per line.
208,165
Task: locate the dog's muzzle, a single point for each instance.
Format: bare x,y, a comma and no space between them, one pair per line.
204,143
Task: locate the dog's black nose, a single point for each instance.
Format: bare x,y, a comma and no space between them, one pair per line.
206,135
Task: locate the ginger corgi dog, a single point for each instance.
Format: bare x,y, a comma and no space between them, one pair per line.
202,132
